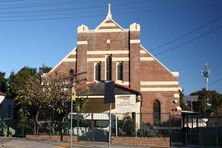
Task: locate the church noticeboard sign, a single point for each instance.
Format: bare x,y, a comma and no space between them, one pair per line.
125,103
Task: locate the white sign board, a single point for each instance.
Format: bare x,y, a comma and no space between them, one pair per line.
1,98
125,103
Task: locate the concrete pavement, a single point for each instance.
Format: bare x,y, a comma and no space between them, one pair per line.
6,142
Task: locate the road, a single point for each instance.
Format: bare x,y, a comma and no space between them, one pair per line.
22,143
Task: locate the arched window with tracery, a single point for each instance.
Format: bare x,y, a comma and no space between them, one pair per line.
109,67
156,113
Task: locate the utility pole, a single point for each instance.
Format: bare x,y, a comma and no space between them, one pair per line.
206,73
73,80
73,98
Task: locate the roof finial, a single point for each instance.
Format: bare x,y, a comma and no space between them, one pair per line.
109,15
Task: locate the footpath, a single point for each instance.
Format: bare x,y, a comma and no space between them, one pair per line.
6,142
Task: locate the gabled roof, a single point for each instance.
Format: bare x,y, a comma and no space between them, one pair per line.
97,89
65,59
173,73
109,23
190,98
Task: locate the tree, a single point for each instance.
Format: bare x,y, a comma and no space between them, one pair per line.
35,92
58,95
16,83
57,89
3,82
44,69
25,87
17,80
209,102
216,102
32,100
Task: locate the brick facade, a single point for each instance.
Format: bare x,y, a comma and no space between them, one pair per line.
141,70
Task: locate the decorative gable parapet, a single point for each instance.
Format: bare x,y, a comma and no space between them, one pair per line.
82,28
134,33
134,27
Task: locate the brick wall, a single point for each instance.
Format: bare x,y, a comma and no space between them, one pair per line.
98,42
145,141
55,138
64,67
135,70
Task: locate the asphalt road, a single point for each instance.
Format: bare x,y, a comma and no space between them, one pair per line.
22,143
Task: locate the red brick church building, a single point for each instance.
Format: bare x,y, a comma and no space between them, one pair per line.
110,52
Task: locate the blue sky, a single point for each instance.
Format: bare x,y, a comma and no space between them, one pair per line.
33,33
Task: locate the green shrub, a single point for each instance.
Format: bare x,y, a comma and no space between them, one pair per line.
147,130
126,126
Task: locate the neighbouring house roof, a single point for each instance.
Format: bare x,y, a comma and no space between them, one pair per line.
187,99
186,112
97,89
7,107
2,94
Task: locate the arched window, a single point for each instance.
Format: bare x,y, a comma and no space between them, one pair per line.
156,113
98,71
109,68
71,75
120,71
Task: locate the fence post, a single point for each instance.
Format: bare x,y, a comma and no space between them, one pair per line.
170,136
134,120
136,124
116,124
92,128
217,137
186,133
77,125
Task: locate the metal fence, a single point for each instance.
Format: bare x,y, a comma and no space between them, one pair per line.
190,130
202,131
205,131
95,126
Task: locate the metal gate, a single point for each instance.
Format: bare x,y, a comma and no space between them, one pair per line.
91,126
202,131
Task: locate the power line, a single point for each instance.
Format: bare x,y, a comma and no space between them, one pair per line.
45,14
59,10
45,19
215,81
52,10
32,5
188,33
191,40
39,15
3,1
